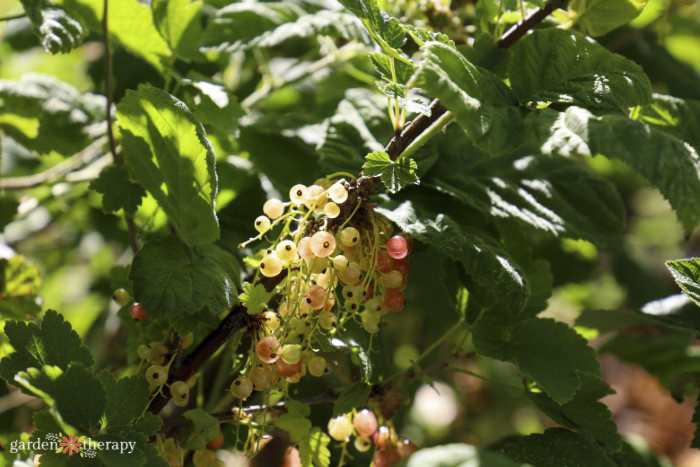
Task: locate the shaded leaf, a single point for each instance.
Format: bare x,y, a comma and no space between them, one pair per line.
118,192
205,428
179,23
57,30
598,17
353,397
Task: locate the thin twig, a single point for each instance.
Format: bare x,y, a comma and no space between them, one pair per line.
10,18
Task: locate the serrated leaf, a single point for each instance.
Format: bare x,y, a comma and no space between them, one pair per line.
353,397
313,449
498,281
557,447
45,423
56,29
550,352
130,25
295,422
118,192
236,25
54,343
395,175
19,285
322,23
675,311
599,17
213,105
167,152
254,297
565,67
205,428
402,70
422,35
678,117
149,424
458,455
127,398
584,413
179,23
59,117
670,164
347,342
481,103
172,280
554,195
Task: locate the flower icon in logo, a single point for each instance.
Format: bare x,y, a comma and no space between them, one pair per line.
70,445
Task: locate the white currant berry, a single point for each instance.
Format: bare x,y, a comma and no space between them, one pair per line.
286,251
262,224
373,305
156,375
327,320
363,444
322,244
340,428
271,265
304,248
273,208
261,377
353,292
271,321
350,236
121,296
315,297
291,354
331,210
241,388
350,274
182,400
317,265
144,352
317,366
315,197
338,193
283,309
340,262
391,279
370,321
297,194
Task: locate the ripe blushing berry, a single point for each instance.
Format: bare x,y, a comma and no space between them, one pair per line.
273,208
393,299
397,247
365,422
322,244
267,349
287,370
137,312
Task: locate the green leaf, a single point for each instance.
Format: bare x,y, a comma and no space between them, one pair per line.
213,105
236,25
167,152
353,397
557,447
295,421
584,412
335,24
127,398
554,195
353,340
540,279
395,175
149,424
205,428
45,114
8,210
382,64
45,423
313,449
130,24
54,343
678,117
677,311
667,162
19,285
55,28
387,31
550,352
75,393
118,192
458,455
172,280
565,67
179,23
481,103
599,17
498,282
254,297
422,35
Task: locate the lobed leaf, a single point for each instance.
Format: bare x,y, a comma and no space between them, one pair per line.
353,397
205,428
395,175
118,191
56,28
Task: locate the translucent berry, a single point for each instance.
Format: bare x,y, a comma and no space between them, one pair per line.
338,193
267,349
324,279
291,354
315,297
287,370
350,236
327,320
283,309
156,375
373,305
403,266
406,447
386,457
370,321
286,251
350,274
262,224
137,312
241,388
340,428
297,194
392,279
261,377
365,422
181,393
144,352
273,208
383,436
353,292
363,444
317,366
216,443
385,263
182,400
121,296
271,321
340,262
315,197
304,248
393,299
331,210
271,265
397,247
322,244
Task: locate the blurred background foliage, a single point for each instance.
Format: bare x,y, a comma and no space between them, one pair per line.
66,246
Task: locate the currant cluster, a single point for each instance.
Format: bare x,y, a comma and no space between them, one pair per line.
364,426
155,355
338,262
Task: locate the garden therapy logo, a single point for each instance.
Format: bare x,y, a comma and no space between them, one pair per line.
84,447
